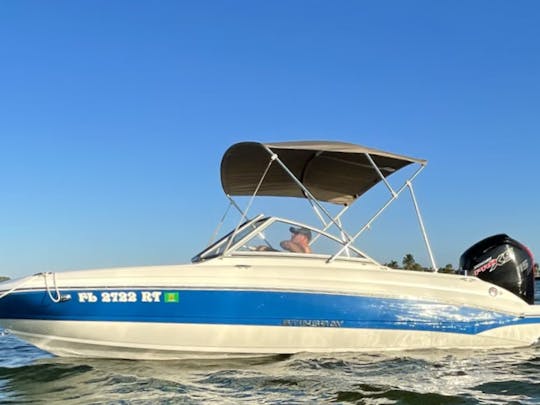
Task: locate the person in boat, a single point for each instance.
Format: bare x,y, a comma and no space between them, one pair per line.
299,242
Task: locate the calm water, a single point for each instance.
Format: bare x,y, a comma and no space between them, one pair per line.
28,375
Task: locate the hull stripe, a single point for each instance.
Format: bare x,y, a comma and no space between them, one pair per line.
254,308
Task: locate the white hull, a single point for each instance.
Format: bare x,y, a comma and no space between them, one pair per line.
435,299
164,341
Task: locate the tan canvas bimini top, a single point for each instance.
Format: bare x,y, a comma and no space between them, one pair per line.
333,172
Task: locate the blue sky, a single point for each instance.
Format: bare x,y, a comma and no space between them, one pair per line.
114,117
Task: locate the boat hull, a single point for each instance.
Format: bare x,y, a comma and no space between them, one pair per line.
179,341
173,323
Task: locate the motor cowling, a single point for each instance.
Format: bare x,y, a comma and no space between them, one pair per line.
503,261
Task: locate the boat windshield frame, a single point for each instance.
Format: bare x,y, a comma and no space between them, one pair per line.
207,254
231,243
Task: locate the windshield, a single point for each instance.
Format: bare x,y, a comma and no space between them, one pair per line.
218,248
290,237
273,235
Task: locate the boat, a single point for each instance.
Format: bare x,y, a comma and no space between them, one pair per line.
247,295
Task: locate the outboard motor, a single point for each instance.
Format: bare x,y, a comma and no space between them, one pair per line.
503,261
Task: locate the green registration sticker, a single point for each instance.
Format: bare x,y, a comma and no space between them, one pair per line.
172,297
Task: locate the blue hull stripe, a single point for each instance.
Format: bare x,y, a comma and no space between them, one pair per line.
256,308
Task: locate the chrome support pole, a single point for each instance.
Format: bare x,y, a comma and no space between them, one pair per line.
422,228
273,157
318,213
220,224
329,224
368,156
377,214
302,187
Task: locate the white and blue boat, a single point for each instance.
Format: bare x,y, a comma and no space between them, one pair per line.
245,295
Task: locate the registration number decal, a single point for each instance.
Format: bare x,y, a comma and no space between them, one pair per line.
128,296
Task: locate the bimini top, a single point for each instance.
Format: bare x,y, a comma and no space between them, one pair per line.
335,172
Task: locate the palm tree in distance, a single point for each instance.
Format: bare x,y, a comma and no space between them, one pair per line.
410,264
392,264
447,269
408,261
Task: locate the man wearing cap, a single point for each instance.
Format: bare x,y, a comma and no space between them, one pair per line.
299,242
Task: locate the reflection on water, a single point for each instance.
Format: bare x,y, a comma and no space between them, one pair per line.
432,377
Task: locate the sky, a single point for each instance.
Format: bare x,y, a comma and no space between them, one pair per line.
114,116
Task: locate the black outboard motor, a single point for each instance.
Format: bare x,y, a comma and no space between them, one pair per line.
503,261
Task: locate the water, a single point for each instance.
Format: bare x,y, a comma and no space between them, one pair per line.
28,375
502,377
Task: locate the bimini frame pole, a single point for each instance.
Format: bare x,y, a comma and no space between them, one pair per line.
221,222
329,224
374,165
377,214
423,229
245,212
302,187
232,203
318,213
